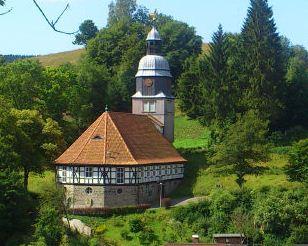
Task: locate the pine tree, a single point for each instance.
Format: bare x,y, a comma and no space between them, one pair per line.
262,62
218,86
189,88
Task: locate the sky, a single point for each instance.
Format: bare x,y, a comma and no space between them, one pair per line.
24,31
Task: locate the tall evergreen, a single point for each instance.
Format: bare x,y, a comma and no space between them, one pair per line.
262,62
189,88
218,85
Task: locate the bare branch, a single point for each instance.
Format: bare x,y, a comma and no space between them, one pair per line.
52,23
6,12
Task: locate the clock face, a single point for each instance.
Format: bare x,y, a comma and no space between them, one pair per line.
148,82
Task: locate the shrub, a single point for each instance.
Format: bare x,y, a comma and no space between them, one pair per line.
148,237
136,225
166,202
100,230
125,235
49,226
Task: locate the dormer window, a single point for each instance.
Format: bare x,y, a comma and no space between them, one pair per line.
97,137
149,106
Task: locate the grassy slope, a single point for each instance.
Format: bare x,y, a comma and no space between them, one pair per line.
73,56
60,58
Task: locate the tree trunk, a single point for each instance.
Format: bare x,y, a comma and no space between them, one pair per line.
26,177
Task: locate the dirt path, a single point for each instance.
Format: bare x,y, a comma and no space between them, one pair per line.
186,200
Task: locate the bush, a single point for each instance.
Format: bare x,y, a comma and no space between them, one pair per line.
148,237
191,212
166,202
49,226
136,225
100,230
125,235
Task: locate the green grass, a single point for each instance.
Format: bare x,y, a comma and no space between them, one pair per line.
37,182
203,178
189,133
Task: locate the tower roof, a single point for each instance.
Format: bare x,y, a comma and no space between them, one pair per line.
153,65
153,35
120,139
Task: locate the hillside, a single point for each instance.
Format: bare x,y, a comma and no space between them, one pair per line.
73,56
58,59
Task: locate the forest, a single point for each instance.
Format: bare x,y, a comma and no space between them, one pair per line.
245,96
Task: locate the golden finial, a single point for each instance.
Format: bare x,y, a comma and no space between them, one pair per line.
153,16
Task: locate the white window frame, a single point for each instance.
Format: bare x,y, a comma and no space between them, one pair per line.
149,106
64,174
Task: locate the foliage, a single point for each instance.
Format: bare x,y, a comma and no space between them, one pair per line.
189,89
87,31
37,140
49,226
262,62
136,225
15,203
297,87
219,92
297,170
244,143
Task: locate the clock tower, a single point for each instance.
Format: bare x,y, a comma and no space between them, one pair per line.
153,87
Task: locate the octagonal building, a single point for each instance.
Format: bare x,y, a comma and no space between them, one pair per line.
125,159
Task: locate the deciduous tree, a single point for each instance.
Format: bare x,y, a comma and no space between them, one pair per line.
244,143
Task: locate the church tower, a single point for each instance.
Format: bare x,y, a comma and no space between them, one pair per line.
153,87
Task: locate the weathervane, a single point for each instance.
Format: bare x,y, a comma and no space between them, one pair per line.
153,16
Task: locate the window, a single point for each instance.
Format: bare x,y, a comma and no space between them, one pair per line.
89,190
149,106
64,174
120,175
89,172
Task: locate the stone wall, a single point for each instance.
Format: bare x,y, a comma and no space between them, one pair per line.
117,195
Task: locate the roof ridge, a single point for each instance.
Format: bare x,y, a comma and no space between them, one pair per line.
105,142
130,153
86,142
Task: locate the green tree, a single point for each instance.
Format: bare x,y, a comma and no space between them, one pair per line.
93,80
180,42
121,9
263,70
297,169
21,83
189,90
244,143
37,140
87,31
296,99
15,205
219,92
49,226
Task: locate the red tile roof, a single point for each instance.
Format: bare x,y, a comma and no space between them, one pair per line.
120,139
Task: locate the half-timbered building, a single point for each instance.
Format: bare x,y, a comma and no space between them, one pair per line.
127,158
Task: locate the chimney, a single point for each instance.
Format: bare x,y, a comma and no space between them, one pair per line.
195,238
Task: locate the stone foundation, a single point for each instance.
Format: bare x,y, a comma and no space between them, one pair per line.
117,195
